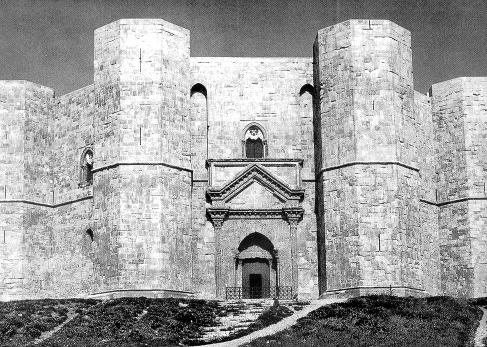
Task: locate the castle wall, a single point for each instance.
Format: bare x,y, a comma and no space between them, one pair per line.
106,130
475,94
262,90
13,120
68,267
73,132
12,252
38,173
59,253
38,142
25,171
455,247
369,173
240,91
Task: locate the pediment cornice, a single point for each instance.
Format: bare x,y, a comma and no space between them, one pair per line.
251,174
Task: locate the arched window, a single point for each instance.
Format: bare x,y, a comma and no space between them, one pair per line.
86,175
255,144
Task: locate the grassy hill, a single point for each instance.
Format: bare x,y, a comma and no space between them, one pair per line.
364,321
383,321
119,322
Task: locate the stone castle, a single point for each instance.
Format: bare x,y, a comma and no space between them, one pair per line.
175,175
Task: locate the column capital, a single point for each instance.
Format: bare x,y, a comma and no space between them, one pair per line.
293,215
217,216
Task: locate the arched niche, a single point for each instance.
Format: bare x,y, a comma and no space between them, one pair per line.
199,128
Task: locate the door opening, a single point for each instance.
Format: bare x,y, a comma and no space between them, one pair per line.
255,282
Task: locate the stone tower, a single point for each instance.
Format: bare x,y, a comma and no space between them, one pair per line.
142,175
368,174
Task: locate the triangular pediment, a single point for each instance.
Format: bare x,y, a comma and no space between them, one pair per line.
255,196
258,177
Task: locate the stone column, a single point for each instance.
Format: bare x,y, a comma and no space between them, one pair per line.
236,265
278,265
293,216
217,218
278,270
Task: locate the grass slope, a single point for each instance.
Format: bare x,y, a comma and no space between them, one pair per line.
364,321
383,321
21,322
137,322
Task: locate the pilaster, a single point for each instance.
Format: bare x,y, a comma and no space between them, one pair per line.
293,216
217,218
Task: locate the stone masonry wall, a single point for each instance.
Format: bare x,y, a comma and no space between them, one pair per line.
459,110
145,90
106,151
38,173
369,173
428,210
68,269
275,93
262,90
455,246
26,180
475,106
12,253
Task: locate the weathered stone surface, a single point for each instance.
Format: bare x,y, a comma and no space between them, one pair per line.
366,186
368,172
459,115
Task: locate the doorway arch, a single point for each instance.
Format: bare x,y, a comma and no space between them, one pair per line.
257,266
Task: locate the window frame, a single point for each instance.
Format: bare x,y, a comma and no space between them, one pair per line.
265,149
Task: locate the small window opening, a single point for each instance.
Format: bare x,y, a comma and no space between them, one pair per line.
86,168
254,142
89,232
199,88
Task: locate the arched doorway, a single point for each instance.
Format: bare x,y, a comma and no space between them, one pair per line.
257,262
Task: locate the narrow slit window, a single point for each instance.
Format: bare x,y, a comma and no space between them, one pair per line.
86,168
89,234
